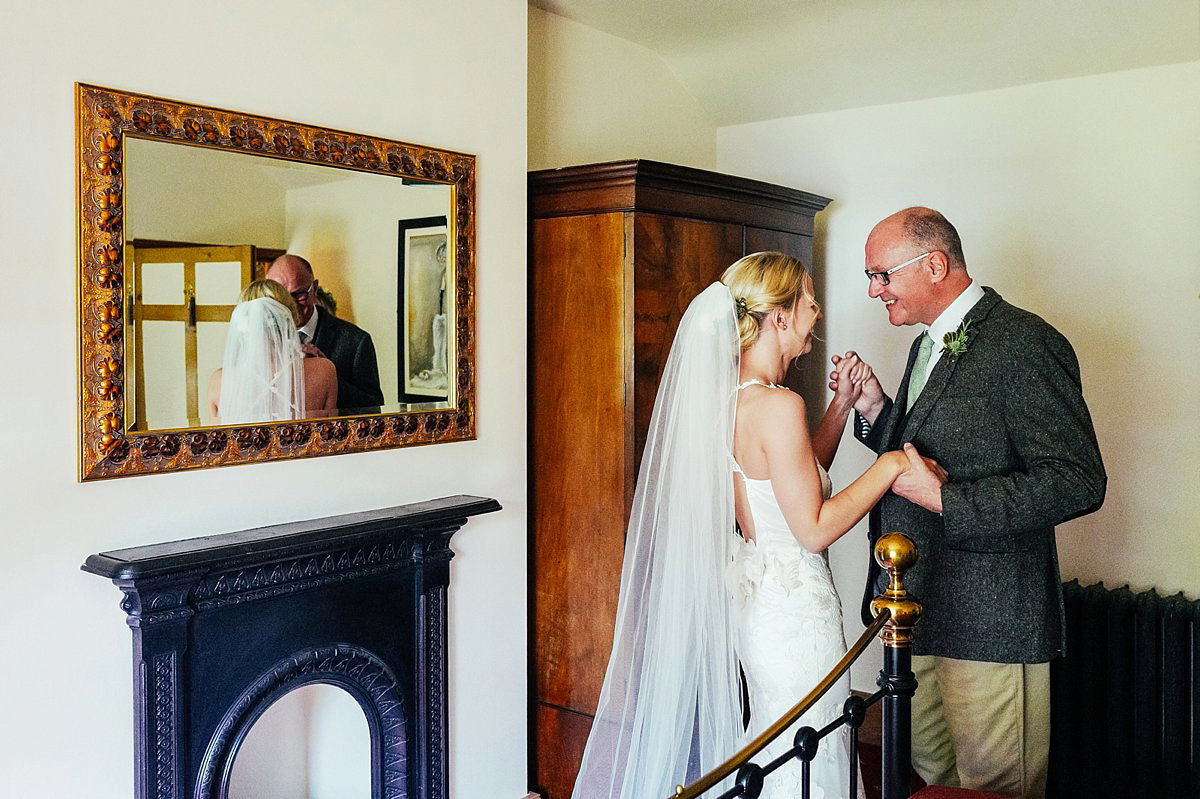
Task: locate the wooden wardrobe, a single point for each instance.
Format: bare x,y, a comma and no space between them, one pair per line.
616,253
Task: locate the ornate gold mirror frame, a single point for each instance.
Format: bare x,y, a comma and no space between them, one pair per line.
108,447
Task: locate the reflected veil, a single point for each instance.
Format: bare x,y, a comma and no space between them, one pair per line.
262,376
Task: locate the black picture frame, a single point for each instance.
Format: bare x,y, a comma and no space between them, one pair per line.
410,302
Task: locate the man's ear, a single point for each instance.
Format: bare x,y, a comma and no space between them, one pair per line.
939,265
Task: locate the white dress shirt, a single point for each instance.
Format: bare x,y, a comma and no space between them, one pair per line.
949,320
309,328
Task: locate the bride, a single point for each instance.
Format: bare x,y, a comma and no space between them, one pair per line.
727,442
264,375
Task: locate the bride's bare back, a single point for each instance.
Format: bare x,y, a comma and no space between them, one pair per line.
771,441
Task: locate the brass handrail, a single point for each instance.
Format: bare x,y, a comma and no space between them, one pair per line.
787,719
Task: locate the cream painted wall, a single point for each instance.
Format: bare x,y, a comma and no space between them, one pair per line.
450,73
595,97
1076,199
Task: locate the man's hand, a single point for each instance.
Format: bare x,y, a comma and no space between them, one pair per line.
310,351
850,368
922,483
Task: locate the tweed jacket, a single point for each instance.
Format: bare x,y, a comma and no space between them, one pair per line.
353,354
1007,420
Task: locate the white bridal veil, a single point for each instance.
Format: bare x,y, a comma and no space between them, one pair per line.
262,377
669,709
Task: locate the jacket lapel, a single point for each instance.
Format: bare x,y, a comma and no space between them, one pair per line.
940,377
321,333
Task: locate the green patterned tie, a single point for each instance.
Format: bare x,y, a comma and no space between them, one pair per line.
916,380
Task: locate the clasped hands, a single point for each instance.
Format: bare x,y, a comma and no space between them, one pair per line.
854,382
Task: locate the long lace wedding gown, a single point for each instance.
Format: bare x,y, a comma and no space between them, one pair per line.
789,636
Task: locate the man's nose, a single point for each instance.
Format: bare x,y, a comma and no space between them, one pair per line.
874,288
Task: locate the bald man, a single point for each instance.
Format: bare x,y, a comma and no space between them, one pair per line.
993,394
348,346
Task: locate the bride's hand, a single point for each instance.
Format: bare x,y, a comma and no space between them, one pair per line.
846,381
941,474
868,393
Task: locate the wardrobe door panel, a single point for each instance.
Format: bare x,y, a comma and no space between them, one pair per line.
580,450
561,737
675,259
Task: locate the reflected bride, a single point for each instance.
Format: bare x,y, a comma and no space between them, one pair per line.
265,376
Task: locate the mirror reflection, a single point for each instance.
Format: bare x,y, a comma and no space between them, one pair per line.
311,742
263,289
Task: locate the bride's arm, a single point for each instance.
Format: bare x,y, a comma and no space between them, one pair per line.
828,436
847,384
815,522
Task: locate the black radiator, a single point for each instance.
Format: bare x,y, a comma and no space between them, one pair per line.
1125,710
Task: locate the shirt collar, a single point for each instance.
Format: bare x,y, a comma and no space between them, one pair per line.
309,328
949,319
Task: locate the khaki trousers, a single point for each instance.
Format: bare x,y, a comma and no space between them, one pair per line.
981,725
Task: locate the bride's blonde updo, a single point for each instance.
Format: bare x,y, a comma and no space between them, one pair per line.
274,290
760,282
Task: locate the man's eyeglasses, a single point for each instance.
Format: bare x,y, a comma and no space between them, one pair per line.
884,277
300,295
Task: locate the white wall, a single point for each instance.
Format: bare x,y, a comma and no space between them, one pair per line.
449,73
596,97
1076,199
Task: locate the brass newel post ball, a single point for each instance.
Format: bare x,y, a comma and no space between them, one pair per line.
896,554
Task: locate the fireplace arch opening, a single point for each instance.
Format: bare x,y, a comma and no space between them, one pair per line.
311,743
365,677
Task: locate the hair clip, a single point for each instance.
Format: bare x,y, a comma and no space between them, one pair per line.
742,310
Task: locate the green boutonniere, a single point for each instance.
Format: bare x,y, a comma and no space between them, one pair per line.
955,344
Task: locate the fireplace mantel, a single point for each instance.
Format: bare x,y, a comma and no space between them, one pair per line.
226,624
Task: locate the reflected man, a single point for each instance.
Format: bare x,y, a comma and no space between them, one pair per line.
324,335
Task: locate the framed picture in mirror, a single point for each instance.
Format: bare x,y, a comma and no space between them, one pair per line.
243,295
424,277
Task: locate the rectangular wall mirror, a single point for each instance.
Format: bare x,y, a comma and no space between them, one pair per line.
184,208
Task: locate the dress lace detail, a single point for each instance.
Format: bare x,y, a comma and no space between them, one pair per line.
789,635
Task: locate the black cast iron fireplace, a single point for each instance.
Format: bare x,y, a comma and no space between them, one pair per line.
226,624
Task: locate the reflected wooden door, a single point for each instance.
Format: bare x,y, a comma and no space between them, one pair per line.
180,300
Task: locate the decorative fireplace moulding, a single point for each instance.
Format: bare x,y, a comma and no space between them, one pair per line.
226,624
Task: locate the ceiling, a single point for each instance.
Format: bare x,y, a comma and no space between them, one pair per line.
749,60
